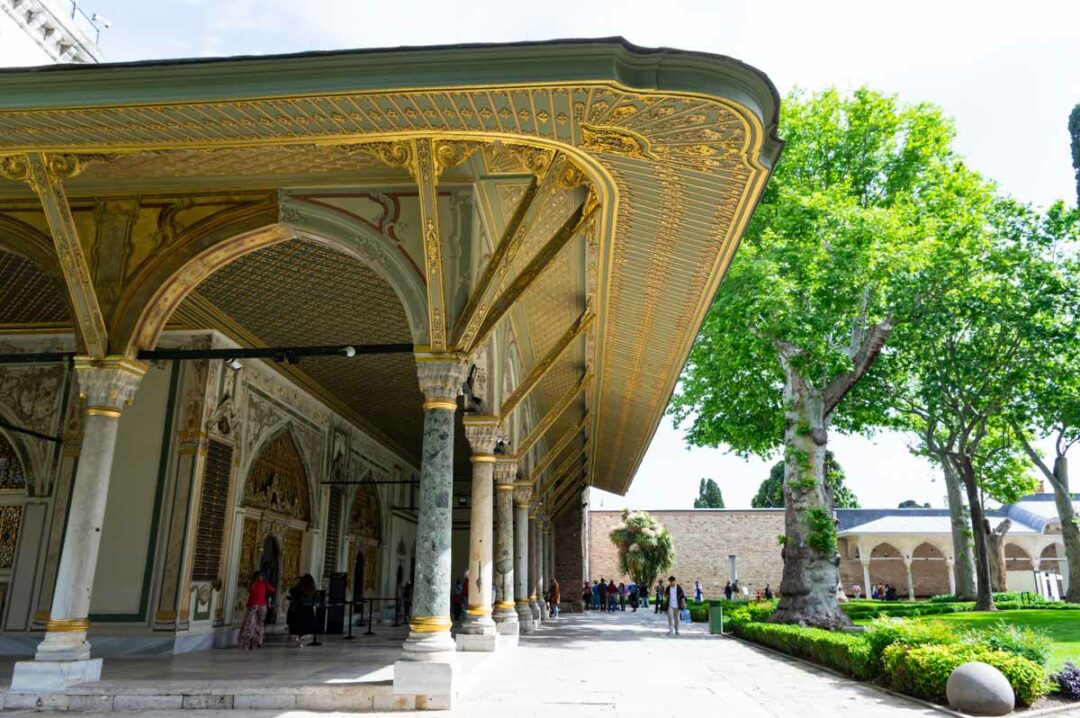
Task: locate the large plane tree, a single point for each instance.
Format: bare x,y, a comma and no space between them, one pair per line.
865,220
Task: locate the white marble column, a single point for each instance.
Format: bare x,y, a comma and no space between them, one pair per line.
868,589
63,657
506,618
428,660
478,630
910,580
950,564
522,494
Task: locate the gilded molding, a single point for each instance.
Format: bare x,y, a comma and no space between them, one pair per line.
530,380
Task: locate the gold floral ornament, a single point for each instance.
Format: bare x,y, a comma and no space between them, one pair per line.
616,141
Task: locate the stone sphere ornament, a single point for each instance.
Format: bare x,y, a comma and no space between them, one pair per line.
980,689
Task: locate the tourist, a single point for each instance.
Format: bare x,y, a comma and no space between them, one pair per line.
676,601
727,590
659,595
455,601
890,593
595,596
612,597
633,596
251,631
768,592
698,595
603,594
622,597
586,596
301,614
735,589
856,591
554,597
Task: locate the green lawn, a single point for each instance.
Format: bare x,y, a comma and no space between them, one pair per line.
1063,627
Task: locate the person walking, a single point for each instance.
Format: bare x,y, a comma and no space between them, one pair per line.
727,590
633,597
586,596
603,594
676,601
251,630
595,596
698,595
659,596
612,597
455,601
622,597
301,614
554,597
768,592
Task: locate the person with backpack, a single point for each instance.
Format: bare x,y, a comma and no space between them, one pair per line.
675,599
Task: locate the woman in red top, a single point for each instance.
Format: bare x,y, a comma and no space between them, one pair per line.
251,632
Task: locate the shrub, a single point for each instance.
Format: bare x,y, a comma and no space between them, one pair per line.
923,671
1029,643
885,632
845,652
1068,681
699,612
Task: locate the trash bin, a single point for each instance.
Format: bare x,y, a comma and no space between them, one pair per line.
716,618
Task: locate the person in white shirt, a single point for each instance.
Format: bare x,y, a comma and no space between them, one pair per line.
676,601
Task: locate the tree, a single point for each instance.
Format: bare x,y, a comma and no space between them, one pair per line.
645,548
912,504
1074,134
770,494
1048,403
973,347
845,244
709,496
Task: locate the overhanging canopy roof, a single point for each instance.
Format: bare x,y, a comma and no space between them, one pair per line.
676,147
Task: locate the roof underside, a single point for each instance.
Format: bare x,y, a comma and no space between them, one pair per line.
676,146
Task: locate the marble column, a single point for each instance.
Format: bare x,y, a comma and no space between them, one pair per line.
910,580
534,568
506,618
478,630
868,590
522,494
63,657
429,637
949,564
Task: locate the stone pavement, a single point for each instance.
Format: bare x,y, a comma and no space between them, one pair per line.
623,665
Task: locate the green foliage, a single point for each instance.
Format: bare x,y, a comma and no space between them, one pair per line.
1032,644
770,495
885,632
1074,135
822,531
644,546
709,496
844,652
923,671
699,612
912,504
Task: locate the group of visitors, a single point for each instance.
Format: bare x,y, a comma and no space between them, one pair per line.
884,592
608,596
300,614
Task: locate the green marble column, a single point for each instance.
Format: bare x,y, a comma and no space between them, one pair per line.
429,625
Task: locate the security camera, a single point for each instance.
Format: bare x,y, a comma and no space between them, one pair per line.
102,20
349,351
234,364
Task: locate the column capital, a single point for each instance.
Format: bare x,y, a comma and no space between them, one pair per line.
522,494
482,431
441,377
108,383
505,472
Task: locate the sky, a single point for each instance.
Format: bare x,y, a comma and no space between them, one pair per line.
1008,73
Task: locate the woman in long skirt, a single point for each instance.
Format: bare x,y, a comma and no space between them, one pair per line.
251,631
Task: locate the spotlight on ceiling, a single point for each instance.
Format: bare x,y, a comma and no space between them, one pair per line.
234,364
349,351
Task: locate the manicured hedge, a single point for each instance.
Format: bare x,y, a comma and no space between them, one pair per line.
923,671
863,610
845,652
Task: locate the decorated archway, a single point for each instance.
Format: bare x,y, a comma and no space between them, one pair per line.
277,513
365,538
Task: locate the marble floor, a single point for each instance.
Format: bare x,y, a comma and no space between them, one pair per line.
619,665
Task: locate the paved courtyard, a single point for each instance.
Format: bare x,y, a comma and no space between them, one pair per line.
615,665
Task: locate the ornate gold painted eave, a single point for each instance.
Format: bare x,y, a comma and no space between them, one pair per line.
677,148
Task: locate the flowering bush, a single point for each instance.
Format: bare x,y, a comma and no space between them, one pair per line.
645,547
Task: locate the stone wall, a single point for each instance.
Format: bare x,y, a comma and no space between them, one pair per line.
567,530
703,539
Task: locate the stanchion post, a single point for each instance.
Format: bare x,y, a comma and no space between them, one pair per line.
371,615
315,640
350,636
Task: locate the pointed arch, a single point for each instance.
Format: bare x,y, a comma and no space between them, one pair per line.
13,473
365,515
278,479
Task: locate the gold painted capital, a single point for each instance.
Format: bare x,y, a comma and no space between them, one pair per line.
429,624
503,605
478,611
482,459
108,383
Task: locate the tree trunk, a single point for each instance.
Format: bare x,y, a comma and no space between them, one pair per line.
1070,532
963,551
999,572
811,566
984,596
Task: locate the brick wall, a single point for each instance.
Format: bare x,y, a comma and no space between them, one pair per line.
567,530
703,540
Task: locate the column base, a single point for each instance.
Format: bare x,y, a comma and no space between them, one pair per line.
507,625
478,625
433,679
429,647
53,676
534,607
485,643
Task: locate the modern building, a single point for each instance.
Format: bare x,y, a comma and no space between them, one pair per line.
909,549
43,32
380,313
